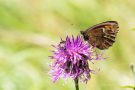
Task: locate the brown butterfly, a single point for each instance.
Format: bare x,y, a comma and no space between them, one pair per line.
101,35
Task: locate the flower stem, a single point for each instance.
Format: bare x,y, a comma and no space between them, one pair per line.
76,83
133,71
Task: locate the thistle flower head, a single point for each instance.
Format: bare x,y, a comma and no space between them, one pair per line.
71,59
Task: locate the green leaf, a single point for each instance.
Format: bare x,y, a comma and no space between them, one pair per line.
128,86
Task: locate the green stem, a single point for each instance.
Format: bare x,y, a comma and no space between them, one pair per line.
133,71
76,83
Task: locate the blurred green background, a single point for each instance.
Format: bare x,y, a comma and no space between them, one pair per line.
28,28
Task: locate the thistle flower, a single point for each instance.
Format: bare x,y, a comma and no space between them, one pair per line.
71,59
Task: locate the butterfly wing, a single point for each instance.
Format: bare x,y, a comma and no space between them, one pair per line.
101,35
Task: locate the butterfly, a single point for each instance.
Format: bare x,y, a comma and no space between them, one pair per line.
101,35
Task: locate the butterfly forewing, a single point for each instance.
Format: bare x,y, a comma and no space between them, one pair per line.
101,35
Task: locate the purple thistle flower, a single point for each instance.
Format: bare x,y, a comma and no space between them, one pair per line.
71,59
